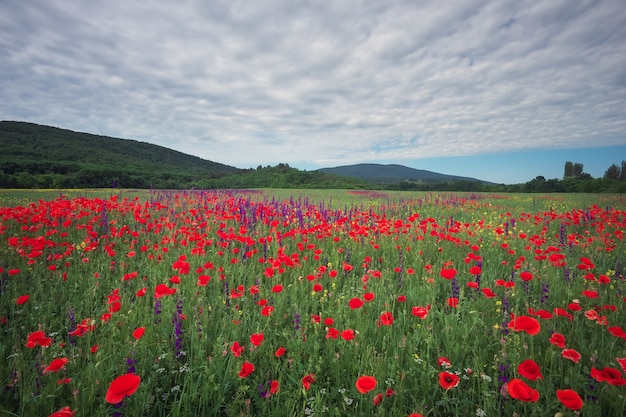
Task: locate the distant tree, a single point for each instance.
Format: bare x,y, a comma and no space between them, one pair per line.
569,169
613,172
577,169
622,174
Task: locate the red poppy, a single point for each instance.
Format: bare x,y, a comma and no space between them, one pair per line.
378,398
488,293
307,380
355,303
63,412
525,324
347,334
530,370
257,338
519,390
280,352
162,290
453,302
570,399
38,338
246,369
277,288
121,387
236,349
386,318
609,375
448,380
622,363
274,386
448,273
475,270
415,415
420,312
444,362
571,354
56,365
557,339
139,331
365,384
332,333
267,311
141,292
368,296
22,299
526,276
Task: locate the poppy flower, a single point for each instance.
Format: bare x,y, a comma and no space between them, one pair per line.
488,292
332,333
415,415
570,399
162,290
519,390
56,365
609,375
453,302
267,311
347,334
246,369
38,338
526,276
448,380
386,318
443,362
121,387
571,354
257,338
448,273
236,349
365,384
378,398
22,299
355,303
530,370
526,324
557,339
369,296
280,352
307,380
420,312
622,363
63,412
139,331
475,270
274,386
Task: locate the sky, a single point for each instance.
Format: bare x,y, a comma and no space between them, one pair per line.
497,90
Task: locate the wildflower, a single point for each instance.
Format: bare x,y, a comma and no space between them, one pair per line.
420,312
139,331
307,380
378,398
571,354
22,299
448,380
56,365
609,375
121,387
386,318
246,369
63,412
257,338
530,370
526,324
557,339
570,399
365,384
519,390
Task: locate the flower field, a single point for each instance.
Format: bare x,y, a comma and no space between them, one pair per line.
241,303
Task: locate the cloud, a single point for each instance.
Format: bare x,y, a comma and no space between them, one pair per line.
321,83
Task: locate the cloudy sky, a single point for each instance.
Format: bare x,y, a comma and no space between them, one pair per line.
492,89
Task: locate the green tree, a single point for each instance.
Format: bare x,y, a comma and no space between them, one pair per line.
614,172
569,168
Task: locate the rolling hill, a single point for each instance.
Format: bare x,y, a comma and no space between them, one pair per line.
392,174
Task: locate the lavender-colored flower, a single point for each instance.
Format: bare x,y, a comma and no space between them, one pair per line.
545,292
177,323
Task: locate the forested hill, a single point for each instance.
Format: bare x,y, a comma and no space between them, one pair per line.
36,156
62,158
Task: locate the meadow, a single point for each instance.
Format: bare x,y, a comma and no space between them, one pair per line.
311,303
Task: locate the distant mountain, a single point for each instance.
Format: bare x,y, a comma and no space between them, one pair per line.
393,174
